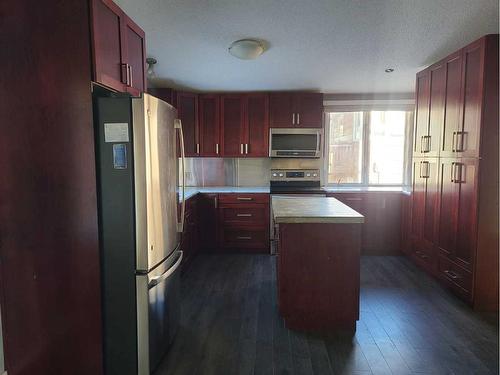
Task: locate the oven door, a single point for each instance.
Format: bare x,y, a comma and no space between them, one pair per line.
294,143
272,229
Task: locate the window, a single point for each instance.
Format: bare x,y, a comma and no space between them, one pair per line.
367,148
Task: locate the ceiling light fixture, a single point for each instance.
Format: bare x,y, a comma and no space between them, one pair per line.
151,61
247,49
389,70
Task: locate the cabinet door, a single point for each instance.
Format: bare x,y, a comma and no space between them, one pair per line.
472,75
309,110
282,111
421,113
424,206
232,124
106,42
209,121
187,110
465,176
447,208
134,56
257,125
436,108
207,215
453,105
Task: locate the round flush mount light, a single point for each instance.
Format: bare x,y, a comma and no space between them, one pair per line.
389,70
247,49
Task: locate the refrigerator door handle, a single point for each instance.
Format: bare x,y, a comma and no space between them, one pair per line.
178,125
157,280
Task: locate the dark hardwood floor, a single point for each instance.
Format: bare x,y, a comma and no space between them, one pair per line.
409,324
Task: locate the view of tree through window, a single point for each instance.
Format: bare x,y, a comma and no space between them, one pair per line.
346,147
367,147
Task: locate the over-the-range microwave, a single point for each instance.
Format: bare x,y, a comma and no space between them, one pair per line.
294,143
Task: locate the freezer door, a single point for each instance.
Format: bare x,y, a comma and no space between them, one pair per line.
155,164
158,312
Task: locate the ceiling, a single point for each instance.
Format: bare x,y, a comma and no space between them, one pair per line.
336,46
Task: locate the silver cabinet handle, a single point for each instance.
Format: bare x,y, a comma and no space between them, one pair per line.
293,118
241,148
298,118
156,280
216,201
130,73
246,148
244,237
217,148
454,142
198,148
124,73
353,199
244,215
244,199
178,125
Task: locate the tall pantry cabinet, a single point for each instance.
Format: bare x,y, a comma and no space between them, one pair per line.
453,228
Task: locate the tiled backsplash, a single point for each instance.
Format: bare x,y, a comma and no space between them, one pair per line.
227,171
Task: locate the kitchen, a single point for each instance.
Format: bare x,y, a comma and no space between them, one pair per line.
233,188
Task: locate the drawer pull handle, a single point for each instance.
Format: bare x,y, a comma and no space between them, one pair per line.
452,274
353,199
244,199
244,237
244,215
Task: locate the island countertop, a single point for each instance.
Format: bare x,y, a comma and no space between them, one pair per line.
313,210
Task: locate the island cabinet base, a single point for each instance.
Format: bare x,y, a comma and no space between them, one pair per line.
318,276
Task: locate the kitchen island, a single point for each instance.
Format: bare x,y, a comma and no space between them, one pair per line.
318,262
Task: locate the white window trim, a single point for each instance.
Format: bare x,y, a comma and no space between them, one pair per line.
365,168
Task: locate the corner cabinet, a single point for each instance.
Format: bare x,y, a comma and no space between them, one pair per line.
296,109
454,225
119,50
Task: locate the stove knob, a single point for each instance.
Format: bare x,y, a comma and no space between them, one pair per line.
281,174
308,175
275,175
315,175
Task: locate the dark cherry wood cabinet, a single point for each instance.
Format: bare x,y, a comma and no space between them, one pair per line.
296,109
187,111
243,222
49,249
381,231
454,228
209,125
256,132
119,50
452,120
232,124
207,214
245,125
424,206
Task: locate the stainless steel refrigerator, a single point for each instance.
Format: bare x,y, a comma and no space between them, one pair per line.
140,226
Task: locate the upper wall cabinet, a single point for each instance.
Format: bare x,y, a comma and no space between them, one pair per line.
291,109
118,49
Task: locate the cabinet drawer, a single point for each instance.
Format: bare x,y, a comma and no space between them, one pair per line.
247,238
245,215
244,198
455,276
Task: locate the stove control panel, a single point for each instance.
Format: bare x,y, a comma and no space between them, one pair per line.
295,175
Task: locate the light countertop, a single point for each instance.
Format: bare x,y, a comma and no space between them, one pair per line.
193,190
313,210
355,189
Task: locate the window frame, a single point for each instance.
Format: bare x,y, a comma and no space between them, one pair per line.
365,153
